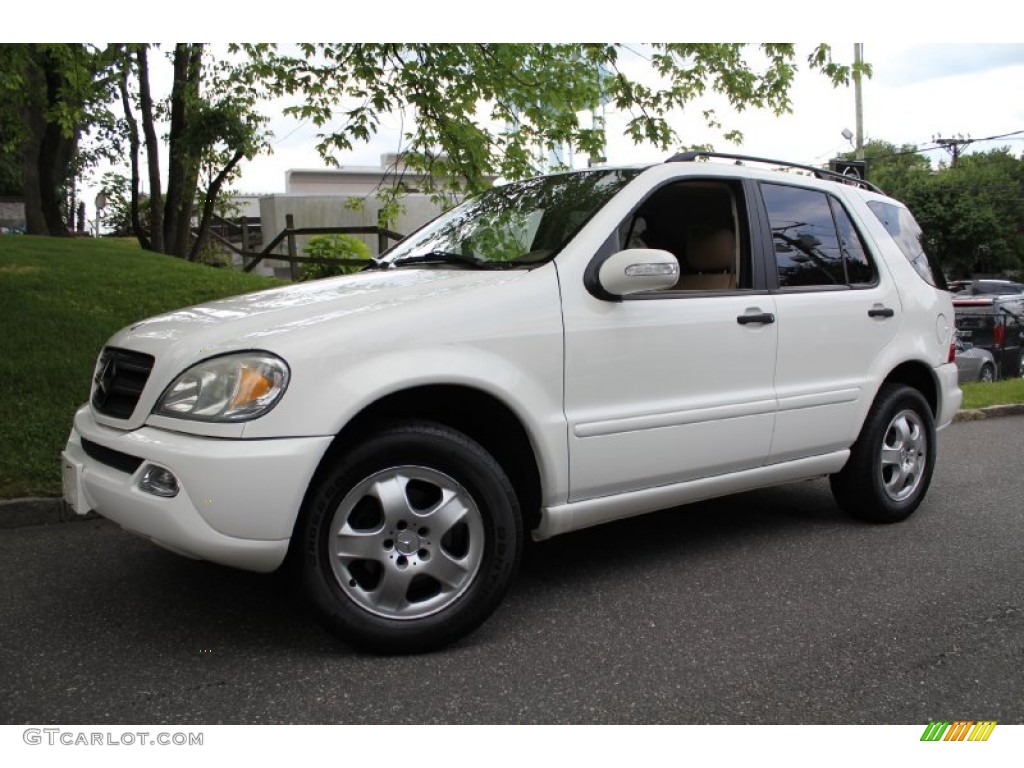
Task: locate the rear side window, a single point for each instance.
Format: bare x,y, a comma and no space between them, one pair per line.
899,223
815,241
859,268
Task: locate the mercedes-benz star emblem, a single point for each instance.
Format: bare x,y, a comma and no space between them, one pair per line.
104,379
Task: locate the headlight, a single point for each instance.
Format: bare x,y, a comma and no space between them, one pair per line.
235,387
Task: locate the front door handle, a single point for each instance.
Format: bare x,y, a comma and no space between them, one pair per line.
756,317
879,311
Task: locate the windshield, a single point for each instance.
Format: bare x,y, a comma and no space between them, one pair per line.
515,225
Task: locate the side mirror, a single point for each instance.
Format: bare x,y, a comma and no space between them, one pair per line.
638,269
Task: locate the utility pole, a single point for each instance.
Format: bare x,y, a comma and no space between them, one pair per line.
858,62
955,146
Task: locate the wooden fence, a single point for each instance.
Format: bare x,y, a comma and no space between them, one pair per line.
250,258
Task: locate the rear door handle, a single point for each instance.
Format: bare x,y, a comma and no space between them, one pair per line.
756,317
879,311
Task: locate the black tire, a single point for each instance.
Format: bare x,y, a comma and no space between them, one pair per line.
426,535
987,373
891,464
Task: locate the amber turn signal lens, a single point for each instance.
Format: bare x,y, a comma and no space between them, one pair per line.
252,385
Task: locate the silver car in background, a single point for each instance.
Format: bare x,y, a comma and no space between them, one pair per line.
973,363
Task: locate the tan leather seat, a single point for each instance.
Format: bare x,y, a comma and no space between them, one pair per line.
713,256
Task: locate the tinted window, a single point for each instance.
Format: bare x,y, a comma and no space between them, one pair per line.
807,249
905,231
859,268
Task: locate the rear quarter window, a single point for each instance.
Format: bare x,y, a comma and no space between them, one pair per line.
900,224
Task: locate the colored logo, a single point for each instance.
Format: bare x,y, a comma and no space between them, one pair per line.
958,730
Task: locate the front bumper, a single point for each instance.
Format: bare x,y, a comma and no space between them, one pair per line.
237,500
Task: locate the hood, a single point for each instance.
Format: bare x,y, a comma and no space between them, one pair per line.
257,320
296,321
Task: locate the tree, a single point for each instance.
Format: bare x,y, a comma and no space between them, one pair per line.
477,109
10,175
960,228
470,109
50,95
998,175
893,169
117,216
211,131
973,214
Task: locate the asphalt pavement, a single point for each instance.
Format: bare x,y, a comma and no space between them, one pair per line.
767,607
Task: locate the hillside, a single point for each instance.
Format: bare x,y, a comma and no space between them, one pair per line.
62,299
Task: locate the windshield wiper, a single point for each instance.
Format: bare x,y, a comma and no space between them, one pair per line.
375,263
448,257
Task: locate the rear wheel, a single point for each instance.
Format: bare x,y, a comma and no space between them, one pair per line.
410,540
988,373
890,466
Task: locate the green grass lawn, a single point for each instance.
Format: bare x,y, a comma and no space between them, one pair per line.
61,300
979,395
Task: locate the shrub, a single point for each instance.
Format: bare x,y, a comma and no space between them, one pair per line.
333,247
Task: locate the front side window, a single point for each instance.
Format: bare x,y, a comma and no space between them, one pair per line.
815,241
515,225
701,224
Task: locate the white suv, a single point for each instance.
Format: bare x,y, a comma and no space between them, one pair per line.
549,355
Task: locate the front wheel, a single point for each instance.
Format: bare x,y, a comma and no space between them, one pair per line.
988,373
410,540
890,465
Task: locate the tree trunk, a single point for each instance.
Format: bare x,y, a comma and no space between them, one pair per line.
208,203
183,162
57,84
156,209
56,152
46,153
35,124
133,142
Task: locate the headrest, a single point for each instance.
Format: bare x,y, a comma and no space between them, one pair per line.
713,251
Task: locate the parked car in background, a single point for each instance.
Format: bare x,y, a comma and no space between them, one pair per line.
973,363
986,287
996,324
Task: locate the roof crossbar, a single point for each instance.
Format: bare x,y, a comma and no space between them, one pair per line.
821,173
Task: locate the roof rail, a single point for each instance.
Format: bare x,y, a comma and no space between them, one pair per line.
821,173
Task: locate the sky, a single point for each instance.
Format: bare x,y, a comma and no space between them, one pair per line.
921,87
917,92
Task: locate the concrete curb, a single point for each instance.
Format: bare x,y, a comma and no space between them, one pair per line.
18,513
991,412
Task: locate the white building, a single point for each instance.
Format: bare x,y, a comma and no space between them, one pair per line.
346,196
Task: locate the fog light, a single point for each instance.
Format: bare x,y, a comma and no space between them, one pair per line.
159,482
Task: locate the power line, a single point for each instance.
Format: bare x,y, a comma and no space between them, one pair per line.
288,135
938,145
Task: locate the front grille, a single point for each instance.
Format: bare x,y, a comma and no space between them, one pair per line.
110,457
120,378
